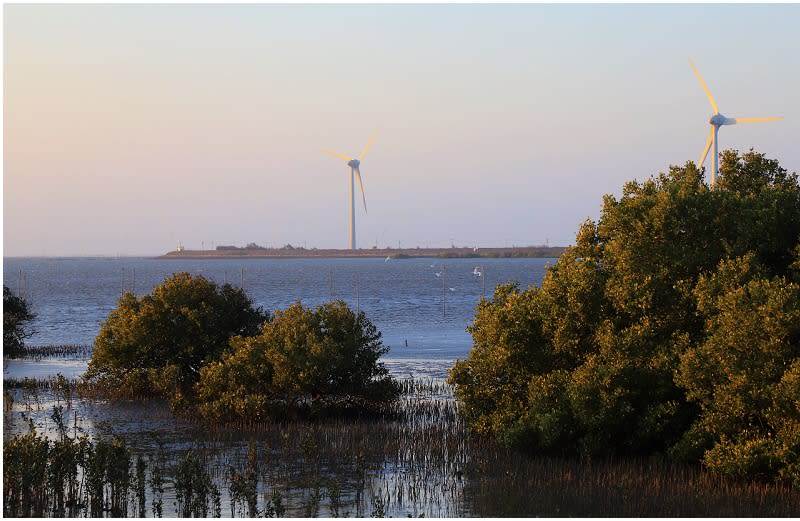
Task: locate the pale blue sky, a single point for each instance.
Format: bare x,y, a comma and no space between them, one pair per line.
130,128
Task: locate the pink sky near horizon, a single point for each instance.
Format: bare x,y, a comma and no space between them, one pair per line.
130,128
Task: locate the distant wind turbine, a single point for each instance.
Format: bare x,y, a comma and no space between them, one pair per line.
717,120
355,171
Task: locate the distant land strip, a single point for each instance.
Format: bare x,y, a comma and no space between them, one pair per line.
228,252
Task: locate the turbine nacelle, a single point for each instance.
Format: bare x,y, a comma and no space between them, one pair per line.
353,163
719,119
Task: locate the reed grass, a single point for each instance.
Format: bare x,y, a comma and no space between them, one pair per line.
72,351
556,487
418,459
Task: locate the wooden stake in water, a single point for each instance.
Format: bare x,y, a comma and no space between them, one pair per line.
241,279
122,281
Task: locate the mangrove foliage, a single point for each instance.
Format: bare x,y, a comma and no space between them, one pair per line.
671,327
303,360
209,350
16,323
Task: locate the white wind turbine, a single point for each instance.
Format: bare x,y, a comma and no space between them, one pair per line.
717,120
355,171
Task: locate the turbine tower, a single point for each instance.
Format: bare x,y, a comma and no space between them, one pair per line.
355,172
717,120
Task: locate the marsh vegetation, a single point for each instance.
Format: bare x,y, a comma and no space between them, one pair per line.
132,458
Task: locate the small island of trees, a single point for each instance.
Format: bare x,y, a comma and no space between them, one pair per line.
208,350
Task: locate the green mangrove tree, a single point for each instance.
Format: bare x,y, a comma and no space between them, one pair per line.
670,327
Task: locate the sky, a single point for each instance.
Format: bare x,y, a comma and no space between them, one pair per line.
128,129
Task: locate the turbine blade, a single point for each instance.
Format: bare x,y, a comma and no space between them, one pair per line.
361,186
337,154
369,144
705,87
709,142
757,120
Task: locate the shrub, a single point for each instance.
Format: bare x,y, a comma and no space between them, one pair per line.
303,360
744,374
159,342
16,315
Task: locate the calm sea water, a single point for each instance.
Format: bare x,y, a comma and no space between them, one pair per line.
422,306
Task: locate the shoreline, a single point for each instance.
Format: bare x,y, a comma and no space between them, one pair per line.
392,253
